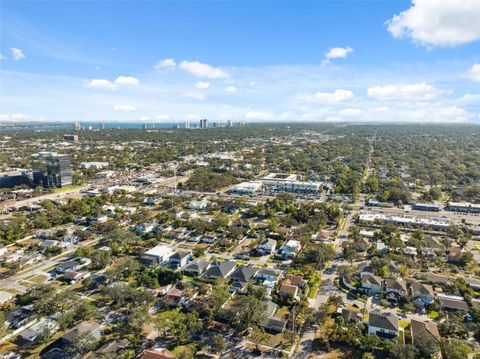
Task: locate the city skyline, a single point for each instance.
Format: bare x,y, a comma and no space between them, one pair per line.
359,61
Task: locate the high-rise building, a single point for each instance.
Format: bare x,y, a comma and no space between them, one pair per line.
203,123
186,124
229,123
52,169
144,126
77,126
101,126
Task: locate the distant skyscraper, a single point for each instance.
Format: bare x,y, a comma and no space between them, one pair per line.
144,126
229,123
101,126
77,126
187,124
203,123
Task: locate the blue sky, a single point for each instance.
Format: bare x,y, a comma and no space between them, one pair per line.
154,61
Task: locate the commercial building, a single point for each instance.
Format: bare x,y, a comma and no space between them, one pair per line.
430,207
54,169
246,188
279,182
440,224
77,126
71,138
15,178
93,165
186,125
463,207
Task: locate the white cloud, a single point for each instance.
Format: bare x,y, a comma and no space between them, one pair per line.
469,99
202,85
100,84
202,70
19,117
350,112
231,89
474,73
127,81
2,57
162,118
337,53
337,96
438,23
166,64
120,81
259,116
196,95
17,54
124,108
413,92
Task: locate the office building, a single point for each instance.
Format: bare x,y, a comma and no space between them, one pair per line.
186,124
71,138
77,126
101,126
14,178
93,165
54,169
229,123
203,123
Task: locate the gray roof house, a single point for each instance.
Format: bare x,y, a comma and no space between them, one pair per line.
242,275
220,270
197,267
383,325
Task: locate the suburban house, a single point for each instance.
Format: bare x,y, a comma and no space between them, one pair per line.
267,246
179,258
73,265
91,329
173,297
371,284
33,332
220,270
18,317
268,277
157,353
421,294
198,205
157,255
196,267
294,280
242,275
419,329
288,291
270,323
289,249
452,302
395,289
383,325
351,316
145,228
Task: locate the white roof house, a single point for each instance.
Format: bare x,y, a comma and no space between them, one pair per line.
158,254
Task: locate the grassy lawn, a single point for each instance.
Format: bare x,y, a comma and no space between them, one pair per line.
282,313
37,279
403,323
313,291
184,351
433,314
65,189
